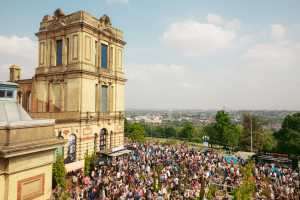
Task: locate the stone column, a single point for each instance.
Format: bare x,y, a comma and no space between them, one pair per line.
64,51
52,52
49,102
110,57
97,98
111,99
62,96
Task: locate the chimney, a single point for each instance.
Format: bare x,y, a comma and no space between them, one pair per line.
14,73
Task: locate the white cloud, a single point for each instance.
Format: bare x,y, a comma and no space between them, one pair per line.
234,24
260,73
273,55
192,37
234,86
278,31
17,50
215,19
117,1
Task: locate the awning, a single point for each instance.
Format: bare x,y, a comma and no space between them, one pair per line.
119,153
74,166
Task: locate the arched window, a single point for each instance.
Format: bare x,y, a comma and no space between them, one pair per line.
102,139
71,149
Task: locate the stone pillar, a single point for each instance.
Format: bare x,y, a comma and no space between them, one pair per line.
110,98
97,98
64,51
110,57
49,102
53,51
62,97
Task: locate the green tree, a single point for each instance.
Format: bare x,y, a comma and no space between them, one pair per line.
246,190
126,125
223,131
231,136
159,131
211,193
212,134
288,137
222,124
170,132
254,123
187,130
87,164
59,172
136,132
269,142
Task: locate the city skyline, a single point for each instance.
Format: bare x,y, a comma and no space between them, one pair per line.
184,55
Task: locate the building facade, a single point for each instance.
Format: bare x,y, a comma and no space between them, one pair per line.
79,82
26,150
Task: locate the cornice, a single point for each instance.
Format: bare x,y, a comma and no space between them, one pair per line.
80,25
80,73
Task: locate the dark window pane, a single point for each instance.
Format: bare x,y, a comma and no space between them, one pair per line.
58,52
9,94
2,93
104,56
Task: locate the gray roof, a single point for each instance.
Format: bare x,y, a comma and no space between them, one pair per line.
13,115
10,111
8,83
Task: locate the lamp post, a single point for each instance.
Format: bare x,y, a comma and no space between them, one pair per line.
251,132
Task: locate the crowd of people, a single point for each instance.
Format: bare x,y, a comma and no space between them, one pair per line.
161,171
275,182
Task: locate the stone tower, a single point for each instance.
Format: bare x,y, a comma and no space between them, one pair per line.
80,81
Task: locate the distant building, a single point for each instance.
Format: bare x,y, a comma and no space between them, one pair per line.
79,82
26,150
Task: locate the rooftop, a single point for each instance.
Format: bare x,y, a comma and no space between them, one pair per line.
12,114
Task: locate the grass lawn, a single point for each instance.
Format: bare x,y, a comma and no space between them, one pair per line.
173,141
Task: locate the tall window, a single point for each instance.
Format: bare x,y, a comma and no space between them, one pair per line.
58,52
104,98
104,56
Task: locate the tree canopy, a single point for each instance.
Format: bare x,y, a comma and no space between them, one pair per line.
223,132
187,130
288,137
59,172
254,123
136,132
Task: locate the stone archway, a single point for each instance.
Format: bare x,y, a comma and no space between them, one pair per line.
72,142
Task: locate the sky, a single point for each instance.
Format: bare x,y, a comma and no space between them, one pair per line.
191,54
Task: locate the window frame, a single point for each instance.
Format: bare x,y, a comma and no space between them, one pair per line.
5,93
102,99
104,57
59,57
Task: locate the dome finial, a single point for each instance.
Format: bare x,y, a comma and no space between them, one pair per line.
59,13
